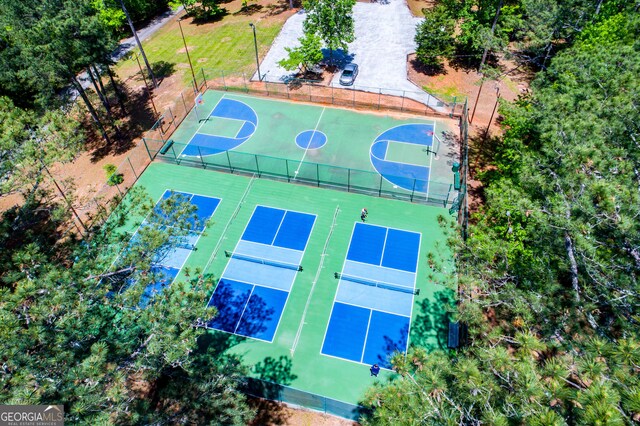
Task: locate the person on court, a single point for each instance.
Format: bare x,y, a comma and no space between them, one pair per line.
363,214
375,369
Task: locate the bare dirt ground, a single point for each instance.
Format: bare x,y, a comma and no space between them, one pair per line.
270,413
482,102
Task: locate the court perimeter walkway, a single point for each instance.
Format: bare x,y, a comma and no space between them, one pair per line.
384,37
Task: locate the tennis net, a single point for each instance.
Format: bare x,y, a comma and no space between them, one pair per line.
379,284
261,261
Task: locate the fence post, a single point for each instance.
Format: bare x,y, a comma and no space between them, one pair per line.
132,169
453,108
204,78
332,100
348,180
287,87
413,190
354,96
175,157
229,161
402,105
266,86
286,162
147,147
318,174
224,84
184,103
257,166
204,166
244,81
309,86
380,187
379,96
173,118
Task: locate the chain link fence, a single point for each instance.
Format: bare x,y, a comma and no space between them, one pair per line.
281,393
414,102
309,173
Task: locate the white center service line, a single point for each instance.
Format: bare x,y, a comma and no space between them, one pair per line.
295,174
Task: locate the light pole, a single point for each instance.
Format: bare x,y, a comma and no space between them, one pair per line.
255,44
186,49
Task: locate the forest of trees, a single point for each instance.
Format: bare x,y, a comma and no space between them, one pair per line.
547,276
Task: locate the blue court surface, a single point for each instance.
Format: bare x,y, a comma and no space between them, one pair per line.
168,261
254,287
369,324
411,177
202,144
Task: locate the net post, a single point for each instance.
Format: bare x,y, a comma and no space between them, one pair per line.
204,166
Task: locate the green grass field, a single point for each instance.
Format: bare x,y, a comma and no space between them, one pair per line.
294,357
225,45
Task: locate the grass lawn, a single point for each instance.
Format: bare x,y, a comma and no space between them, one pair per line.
225,45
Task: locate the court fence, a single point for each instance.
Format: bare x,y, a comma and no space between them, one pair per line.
309,173
463,197
276,392
355,96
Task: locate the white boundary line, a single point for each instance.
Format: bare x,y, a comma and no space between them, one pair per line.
260,285
366,336
370,309
295,174
201,124
315,281
244,309
284,214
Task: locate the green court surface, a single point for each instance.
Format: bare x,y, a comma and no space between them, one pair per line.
294,356
310,142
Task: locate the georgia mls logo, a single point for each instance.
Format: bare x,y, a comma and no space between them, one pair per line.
31,415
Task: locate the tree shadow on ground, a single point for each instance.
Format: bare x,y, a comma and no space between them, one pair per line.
430,329
470,61
249,10
136,118
430,70
337,58
482,158
163,69
268,412
273,374
281,7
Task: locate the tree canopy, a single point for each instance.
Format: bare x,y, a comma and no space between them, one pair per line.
80,329
549,273
332,20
